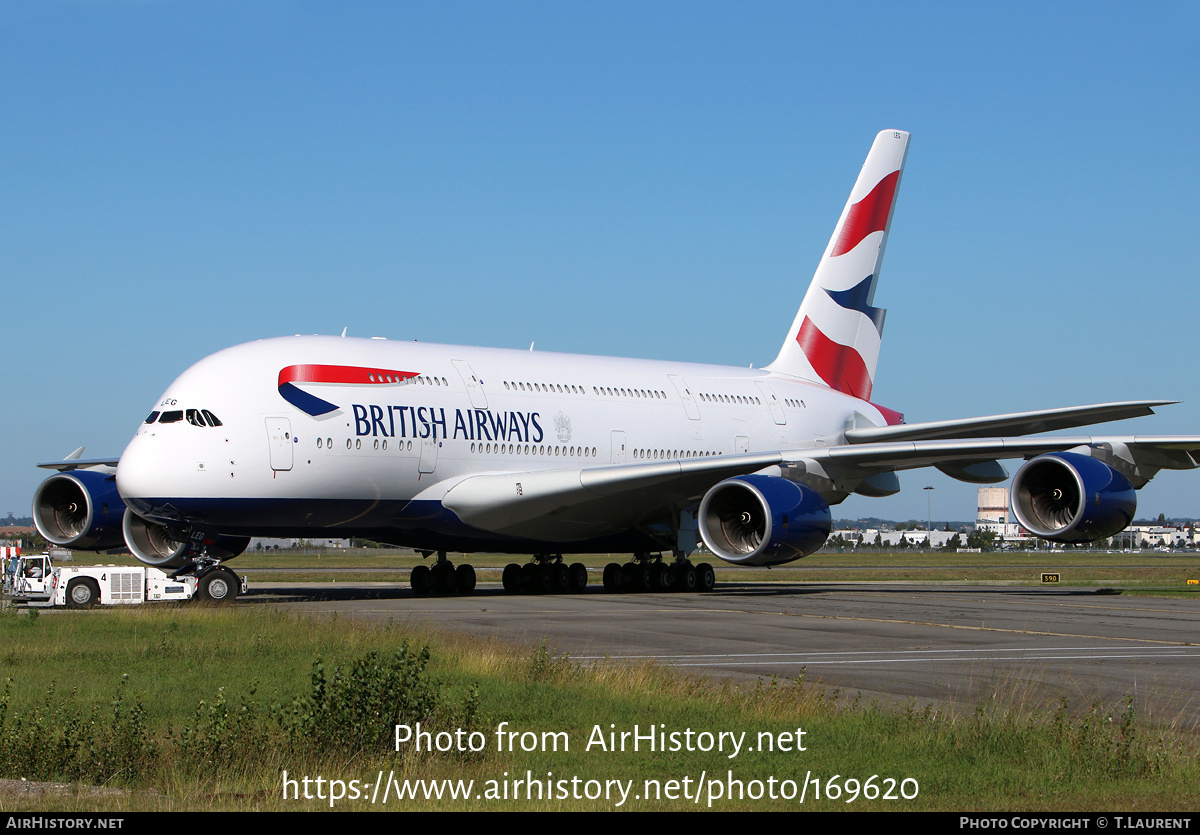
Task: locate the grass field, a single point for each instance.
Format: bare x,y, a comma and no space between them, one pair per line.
195,708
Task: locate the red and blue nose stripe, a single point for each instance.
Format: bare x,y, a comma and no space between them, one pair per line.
352,375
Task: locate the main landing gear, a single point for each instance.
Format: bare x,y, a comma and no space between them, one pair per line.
546,574
650,574
442,577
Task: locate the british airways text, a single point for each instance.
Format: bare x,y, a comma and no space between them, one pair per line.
433,422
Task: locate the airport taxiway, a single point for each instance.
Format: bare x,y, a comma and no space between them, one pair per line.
888,641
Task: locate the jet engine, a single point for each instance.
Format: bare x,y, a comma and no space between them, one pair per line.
1072,498
80,509
169,547
763,520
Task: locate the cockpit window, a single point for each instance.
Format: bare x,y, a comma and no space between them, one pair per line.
196,417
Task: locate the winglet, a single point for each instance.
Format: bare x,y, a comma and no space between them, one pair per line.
836,334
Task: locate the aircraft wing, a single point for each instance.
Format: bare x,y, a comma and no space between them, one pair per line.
578,503
1018,423
75,461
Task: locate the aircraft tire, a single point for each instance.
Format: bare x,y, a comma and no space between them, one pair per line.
562,577
706,578
529,578
612,577
629,577
464,578
82,593
547,577
512,578
685,578
578,578
660,578
421,582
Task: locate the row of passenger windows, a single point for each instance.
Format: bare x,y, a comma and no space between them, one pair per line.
649,394
730,398
543,387
567,388
534,449
196,417
670,454
356,443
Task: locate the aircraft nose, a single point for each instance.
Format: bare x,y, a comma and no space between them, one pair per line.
140,474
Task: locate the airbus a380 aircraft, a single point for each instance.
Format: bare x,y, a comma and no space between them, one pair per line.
448,448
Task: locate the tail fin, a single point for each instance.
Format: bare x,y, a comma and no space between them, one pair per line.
835,337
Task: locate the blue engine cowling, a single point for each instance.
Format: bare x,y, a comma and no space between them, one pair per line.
763,520
80,509
1071,498
158,545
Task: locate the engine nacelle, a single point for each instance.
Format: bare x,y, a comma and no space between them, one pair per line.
1068,497
157,545
763,520
80,509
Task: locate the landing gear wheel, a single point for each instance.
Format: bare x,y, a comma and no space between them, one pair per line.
706,578
529,578
421,582
612,577
218,587
685,578
630,576
547,576
660,576
512,578
83,593
577,579
464,579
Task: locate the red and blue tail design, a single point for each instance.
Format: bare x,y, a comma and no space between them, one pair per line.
836,334
346,375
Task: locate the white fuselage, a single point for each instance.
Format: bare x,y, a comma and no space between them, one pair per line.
407,421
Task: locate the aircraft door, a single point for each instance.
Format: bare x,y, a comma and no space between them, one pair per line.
618,447
429,454
474,389
772,401
279,435
685,394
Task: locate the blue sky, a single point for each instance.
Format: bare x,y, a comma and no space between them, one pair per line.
644,179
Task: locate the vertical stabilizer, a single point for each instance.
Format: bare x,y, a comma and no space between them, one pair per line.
835,337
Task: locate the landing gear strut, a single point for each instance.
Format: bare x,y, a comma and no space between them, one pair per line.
442,577
545,574
648,573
